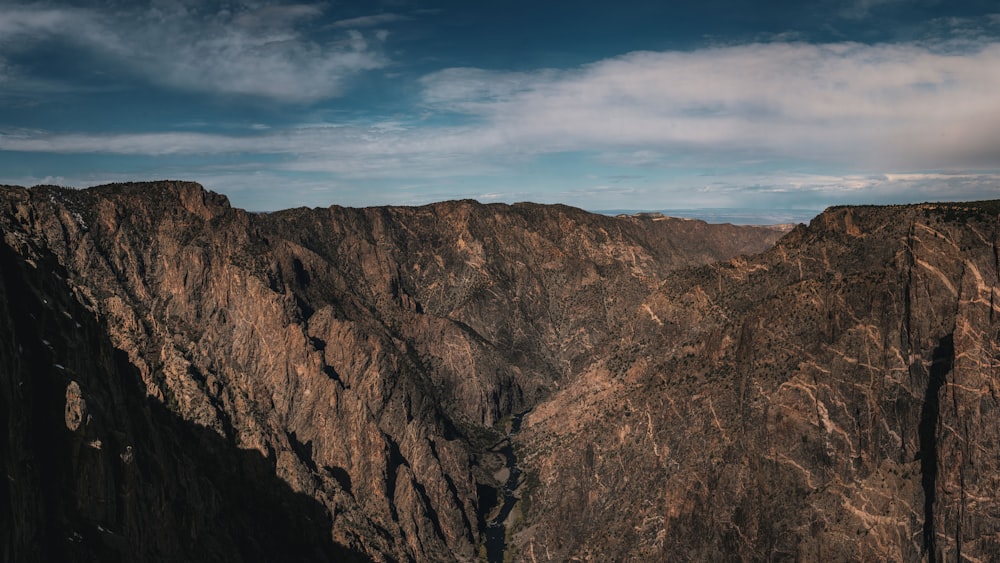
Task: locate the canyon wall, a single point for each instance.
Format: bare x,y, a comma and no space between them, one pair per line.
361,361
182,380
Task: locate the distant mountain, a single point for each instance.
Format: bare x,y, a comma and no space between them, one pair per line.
182,380
736,216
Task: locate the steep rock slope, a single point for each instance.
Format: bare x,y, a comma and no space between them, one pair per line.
97,471
360,356
502,301
833,399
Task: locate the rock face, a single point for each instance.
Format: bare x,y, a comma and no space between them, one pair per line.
185,380
95,471
833,399
182,380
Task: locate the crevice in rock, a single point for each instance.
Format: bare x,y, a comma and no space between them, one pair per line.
943,360
342,477
303,450
393,463
907,299
302,278
506,496
432,514
305,310
453,490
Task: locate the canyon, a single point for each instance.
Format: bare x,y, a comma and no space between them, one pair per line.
185,380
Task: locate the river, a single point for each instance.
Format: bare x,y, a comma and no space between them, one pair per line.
496,528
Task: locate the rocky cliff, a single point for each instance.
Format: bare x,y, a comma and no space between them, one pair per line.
832,399
96,471
185,380
182,380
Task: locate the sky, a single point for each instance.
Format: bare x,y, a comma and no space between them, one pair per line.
755,112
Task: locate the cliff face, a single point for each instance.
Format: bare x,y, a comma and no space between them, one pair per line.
833,399
97,471
464,381
346,368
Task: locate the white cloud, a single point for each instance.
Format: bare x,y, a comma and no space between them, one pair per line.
472,89
256,52
369,21
152,144
815,191
22,26
882,105
866,110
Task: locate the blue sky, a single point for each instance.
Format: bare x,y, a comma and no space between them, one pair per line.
759,111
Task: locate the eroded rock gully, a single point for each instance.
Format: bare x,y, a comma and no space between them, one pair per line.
354,370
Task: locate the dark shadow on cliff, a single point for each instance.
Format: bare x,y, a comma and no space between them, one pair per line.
943,361
97,471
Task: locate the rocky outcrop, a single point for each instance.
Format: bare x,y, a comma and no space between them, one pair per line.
348,368
503,302
97,471
833,399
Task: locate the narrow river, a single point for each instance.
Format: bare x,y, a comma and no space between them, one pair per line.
496,528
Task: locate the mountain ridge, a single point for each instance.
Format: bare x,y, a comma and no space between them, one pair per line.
836,380
374,358
333,342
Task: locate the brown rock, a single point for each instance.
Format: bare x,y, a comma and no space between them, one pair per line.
362,357
76,407
815,402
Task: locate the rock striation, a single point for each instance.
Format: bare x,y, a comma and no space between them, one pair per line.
96,471
182,380
180,376
832,399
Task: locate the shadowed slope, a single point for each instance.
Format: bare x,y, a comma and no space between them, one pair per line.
97,471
